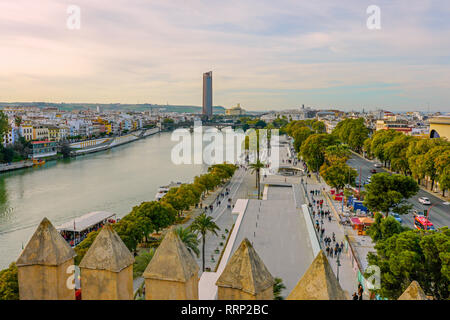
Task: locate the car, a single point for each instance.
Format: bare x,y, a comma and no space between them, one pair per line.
373,171
377,165
397,217
424,200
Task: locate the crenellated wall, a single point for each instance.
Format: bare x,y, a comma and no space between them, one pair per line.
172,274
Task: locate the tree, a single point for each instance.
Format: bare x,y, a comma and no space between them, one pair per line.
9,283
395,152
353,132
430,162
338,174
17,121
84,246
300,135
386,192
278,287
131,230
204,224
4,125
337,153
367,147
158,215
141,262
65,149
410,255
189,239
313,149
256,167
318,127
384,228
379,141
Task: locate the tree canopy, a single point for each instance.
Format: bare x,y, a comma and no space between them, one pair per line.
386,192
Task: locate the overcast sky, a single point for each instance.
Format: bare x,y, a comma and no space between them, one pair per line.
264,54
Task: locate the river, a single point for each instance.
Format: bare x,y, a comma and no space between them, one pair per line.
114,180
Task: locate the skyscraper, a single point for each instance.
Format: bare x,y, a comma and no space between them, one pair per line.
207,94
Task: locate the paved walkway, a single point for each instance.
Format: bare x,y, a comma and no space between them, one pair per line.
277,230
240,186
347,271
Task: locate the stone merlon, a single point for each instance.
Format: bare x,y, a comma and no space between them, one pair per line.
46,247
246,271
107,252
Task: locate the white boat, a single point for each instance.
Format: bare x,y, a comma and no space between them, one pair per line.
76,230
164,189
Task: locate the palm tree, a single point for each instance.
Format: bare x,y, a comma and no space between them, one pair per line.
256,167
203,224
189,239
277,288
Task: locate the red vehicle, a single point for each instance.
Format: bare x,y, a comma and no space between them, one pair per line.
422,223
373,171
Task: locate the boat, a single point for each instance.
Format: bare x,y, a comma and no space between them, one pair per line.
38,162
164,189
76,230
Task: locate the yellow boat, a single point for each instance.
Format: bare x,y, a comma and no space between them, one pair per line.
37,162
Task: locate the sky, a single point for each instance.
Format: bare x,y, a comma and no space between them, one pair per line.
265,55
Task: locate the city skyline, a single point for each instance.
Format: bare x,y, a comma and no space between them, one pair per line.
264,55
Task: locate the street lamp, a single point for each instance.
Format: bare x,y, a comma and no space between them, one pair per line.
338,262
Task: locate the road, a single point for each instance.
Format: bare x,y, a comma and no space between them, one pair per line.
439,214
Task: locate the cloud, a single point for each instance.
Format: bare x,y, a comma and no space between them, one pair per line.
264,54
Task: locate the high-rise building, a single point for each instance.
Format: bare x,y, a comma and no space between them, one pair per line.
207,94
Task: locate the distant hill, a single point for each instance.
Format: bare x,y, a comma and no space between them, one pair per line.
114,106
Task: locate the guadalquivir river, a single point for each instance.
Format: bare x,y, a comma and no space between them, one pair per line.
114,180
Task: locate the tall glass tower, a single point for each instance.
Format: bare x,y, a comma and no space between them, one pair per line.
207,94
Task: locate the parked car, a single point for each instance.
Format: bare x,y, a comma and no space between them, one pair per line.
373,171
397,217
424,200
377,165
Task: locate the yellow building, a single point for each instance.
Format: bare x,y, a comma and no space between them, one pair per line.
440,127
40,133
235,111
27,132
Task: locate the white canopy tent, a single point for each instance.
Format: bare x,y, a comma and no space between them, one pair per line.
85,221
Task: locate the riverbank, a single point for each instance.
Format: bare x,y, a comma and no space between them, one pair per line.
91,146
4,167
113,181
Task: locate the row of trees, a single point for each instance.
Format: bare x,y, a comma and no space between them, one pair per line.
148,217
329,153
322,152
404,255
414,156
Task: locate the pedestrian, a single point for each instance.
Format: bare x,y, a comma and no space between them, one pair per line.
334,237
360,292
335,251
331,252
342,246
328,251
354,296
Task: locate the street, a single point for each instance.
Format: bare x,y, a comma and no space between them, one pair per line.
439,214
